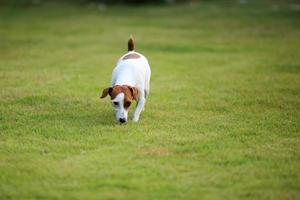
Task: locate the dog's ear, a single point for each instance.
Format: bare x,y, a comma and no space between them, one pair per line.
105,92
134,92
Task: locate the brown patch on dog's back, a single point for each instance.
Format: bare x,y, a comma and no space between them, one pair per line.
131,56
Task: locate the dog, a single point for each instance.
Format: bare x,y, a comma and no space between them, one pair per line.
130,82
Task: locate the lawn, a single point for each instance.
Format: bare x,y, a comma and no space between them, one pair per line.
221,121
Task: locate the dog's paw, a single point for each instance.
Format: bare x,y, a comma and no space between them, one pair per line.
135,118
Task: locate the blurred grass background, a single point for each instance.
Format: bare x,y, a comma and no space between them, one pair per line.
221,121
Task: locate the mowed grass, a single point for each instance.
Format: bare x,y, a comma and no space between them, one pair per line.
221,121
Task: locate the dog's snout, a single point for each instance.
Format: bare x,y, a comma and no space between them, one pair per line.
122,120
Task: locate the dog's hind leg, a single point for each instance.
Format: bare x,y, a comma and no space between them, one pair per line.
147,87
146,91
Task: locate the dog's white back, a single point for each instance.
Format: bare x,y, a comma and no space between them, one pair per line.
134,72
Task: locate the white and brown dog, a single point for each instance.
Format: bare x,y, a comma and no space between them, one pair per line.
130,81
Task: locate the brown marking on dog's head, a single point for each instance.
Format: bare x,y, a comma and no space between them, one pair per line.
130,93
131,56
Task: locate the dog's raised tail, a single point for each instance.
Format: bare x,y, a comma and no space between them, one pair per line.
131,43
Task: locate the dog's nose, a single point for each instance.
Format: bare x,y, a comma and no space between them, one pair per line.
122,120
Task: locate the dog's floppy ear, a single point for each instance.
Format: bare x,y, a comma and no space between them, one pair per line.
106,91
134,92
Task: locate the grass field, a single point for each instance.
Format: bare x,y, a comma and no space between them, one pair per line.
221,121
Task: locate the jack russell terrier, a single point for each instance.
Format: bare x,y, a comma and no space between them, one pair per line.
130,81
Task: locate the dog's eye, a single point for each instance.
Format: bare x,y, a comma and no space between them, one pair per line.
127,104
116,103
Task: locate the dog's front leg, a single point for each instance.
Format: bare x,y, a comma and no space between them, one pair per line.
139,108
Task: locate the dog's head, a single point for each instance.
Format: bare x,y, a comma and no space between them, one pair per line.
121,98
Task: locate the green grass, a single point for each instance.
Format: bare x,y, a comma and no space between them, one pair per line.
221,121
